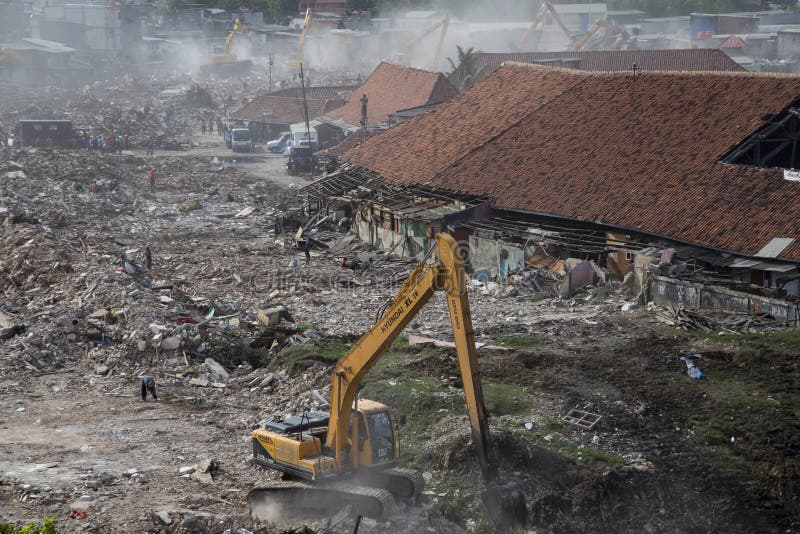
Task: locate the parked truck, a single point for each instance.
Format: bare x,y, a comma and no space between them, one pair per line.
44,133
239,140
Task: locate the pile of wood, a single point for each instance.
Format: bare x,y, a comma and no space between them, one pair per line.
686,319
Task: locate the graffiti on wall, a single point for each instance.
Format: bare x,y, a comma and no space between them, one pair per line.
667,291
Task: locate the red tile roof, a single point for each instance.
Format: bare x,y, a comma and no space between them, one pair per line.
613,60
284,109
600,147
391,88
321,92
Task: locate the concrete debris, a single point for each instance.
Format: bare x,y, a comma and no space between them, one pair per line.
162,517
199,382
205,470
216,368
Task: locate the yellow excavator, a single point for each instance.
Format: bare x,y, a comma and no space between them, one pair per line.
225,55
350,454
405,55
308,23
612,29
546,7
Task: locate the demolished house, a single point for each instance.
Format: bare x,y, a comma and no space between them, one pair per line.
389,89
693,202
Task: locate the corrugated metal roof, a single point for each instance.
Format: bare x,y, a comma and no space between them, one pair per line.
774,248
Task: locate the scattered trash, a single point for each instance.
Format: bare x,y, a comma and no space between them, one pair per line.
77,514
691,367
582,419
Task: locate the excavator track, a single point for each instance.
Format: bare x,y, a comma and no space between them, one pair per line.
403,483
277,500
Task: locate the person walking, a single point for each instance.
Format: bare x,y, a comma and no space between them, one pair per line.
151,144
148,385
210,127
202,127
151,180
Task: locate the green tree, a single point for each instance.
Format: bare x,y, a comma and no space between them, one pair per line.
463,73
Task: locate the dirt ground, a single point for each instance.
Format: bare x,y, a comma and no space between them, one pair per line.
669,454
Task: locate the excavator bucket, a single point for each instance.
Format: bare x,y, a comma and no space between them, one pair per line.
505,504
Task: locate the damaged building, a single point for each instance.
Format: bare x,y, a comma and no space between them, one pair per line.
268,115
677,183
389,89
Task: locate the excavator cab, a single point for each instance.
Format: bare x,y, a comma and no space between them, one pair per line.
374,441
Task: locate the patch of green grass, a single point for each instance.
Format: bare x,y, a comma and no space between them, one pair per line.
715,432
422,400
722,458
552,425
585,456
325,350
502,399
519,342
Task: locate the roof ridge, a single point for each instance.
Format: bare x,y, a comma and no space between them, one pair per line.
407,67
648,72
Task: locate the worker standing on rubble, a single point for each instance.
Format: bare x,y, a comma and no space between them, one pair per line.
210,127
151,180
148,384
202,126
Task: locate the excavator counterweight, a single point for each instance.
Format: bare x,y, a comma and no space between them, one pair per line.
353,449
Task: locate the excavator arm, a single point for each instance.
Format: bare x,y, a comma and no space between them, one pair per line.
307,24
405,55
351,369
586,37
229,40
547,6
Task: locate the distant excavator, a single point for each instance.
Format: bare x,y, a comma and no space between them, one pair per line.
349,455
546,7
404,56
611,29
224,55
308,24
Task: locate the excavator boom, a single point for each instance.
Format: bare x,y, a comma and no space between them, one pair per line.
547,6
405,55
594,28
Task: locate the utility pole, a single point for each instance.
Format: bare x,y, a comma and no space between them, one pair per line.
271,62
308,124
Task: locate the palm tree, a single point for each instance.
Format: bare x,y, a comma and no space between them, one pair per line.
463,73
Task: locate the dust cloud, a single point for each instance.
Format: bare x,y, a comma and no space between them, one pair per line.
486,26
